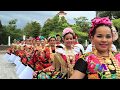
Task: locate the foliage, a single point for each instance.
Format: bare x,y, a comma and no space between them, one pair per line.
32,29
111,14
116,23
54,26
1,33
83,23
10,30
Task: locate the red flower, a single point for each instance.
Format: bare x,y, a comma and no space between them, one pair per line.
24,60
77,57
64,57
92,61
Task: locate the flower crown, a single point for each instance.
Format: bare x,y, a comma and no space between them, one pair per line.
98,20
67,30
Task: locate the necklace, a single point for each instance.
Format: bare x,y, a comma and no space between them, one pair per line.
70,60
111,65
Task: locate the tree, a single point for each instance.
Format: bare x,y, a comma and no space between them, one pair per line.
83,23
47,28
11,30
54,26
32,29
110,14
4,36
1,32
82,36
36,29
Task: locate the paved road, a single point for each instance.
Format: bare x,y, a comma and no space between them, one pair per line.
7,69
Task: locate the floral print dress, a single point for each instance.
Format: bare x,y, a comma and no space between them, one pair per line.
96,67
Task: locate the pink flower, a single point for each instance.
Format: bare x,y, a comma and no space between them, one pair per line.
92,61
93,58
67,30
118,58
96,21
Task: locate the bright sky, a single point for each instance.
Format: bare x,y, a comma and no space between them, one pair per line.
24,17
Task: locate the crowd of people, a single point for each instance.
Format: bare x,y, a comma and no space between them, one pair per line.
63,57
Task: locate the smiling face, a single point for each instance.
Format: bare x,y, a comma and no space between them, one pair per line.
68,40
58,39
102,38
52,41
42,42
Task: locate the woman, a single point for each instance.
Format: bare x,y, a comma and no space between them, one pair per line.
65,57
115,37
58,39
101,63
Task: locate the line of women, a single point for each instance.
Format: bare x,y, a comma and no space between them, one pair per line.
68,60
52,60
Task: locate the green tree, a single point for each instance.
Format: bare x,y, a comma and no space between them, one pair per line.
83,23
5,35
36,29
32,29
12,31
110,14
82,36
1,33
47,28
54,26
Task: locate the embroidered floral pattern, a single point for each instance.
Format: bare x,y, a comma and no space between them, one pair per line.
92,61
96,68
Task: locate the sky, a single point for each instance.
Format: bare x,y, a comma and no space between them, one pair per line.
23,17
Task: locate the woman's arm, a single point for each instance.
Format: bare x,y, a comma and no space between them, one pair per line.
77,75
80,68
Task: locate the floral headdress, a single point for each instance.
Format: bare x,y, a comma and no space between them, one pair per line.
37,38
67,30
97,21
42,37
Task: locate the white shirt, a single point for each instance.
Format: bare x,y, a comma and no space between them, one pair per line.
79,47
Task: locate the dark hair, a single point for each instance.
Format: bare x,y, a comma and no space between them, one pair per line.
57,35
50,38
69,33
94,30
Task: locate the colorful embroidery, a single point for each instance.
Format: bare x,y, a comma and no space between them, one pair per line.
107,69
